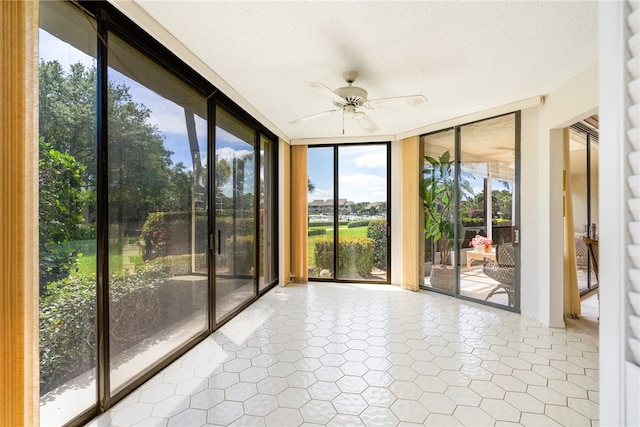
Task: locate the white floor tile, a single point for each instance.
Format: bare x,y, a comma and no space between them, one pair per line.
352,355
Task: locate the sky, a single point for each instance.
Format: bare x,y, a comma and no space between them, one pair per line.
362,173
362,168
166,115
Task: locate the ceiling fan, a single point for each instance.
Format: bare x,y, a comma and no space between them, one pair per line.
349,98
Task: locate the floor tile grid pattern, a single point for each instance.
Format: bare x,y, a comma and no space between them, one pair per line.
341,355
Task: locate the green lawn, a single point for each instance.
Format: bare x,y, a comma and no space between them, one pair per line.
129,258
343,232
87,263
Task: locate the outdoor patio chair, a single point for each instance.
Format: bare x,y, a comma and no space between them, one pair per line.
502,270
582,254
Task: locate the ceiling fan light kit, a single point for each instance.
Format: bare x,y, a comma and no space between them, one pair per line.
348,98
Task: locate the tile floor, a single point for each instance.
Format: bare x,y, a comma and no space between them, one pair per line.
342,355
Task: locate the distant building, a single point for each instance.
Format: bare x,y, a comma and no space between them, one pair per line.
319,207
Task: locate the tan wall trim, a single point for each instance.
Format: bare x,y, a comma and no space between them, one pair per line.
285,213
411,203
19,392
299,189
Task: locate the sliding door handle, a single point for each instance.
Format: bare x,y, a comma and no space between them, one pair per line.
515,236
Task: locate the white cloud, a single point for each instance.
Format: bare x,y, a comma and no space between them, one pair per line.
229,153
360,187
321,194
376,160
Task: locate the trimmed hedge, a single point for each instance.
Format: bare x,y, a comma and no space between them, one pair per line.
317,232
354,253
326,224
479,222
472,222
360,223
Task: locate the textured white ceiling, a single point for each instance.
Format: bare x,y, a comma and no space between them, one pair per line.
464,56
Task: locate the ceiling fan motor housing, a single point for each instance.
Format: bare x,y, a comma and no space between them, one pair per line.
353,95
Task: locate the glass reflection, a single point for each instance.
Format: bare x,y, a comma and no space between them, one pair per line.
157,213
235,214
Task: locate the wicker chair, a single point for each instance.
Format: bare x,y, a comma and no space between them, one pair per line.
502,270
582,254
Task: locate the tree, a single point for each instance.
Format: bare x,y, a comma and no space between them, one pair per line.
62,200
142,178
139,178
140,167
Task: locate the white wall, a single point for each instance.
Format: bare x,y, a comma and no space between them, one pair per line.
574,100
531,247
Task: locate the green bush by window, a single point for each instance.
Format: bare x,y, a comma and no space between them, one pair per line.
377,231
317,232
353,252
360,223
68,316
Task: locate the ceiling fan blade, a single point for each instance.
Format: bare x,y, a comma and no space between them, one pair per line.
328,92
314,116
365,122
400,101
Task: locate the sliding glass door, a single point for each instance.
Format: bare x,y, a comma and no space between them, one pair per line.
583,172
157,209
347,210
487,211
235,216
157,212
470,193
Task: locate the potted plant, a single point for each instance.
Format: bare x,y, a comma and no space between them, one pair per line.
438,194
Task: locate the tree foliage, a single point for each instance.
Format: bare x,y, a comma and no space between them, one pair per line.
142,178
62,198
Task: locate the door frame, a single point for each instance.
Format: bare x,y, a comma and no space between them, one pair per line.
336,197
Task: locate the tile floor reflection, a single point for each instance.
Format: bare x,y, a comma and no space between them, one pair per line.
342,354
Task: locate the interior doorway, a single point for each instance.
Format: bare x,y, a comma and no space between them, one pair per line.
584,175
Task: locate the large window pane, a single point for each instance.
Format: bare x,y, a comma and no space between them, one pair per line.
320,212
157,213
362,212
583,170
268,270
486,193
438,193
67,213
348,229
235,199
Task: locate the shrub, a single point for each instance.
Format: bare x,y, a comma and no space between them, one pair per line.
321,224
244,255
362,248
377,230
169,233
472,222
356,224
142,303
501,221
353,252
323,253
326,223
317,232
